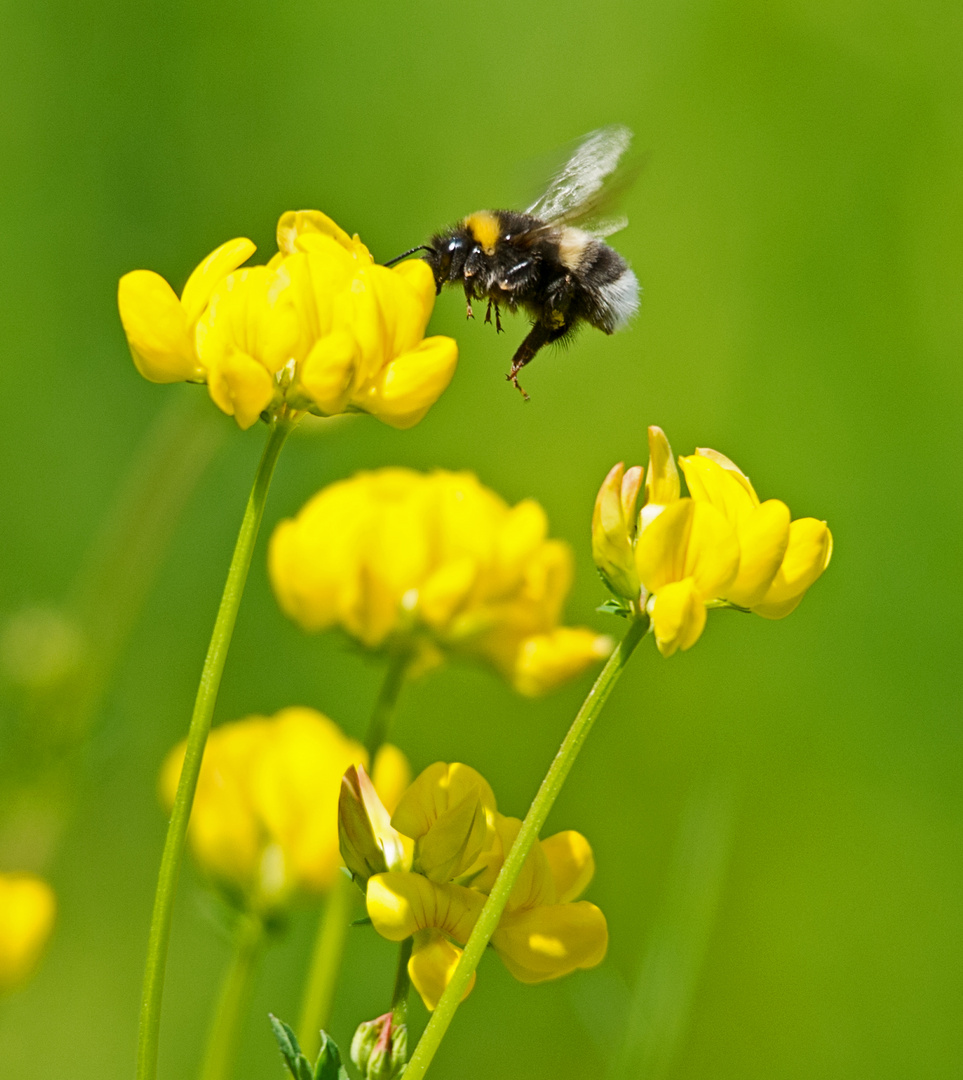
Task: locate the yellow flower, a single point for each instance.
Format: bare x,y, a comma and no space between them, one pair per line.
320,328
434,564
543,934
674,556
265,821
780,558
27,911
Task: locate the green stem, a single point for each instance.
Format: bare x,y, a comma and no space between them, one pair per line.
325,965
160,928
384,708
399,996
235,993
333,928
527,835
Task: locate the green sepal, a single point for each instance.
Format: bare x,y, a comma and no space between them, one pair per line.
617,606
365,920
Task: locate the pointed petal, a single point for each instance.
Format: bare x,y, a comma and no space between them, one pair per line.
662,476
710,482
208,274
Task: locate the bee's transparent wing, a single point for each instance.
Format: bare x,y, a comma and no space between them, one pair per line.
575,193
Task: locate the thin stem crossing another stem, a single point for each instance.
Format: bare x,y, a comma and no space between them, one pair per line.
534,820
160,929
235,993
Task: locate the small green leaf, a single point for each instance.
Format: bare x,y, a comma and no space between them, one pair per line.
365,920
328,1066
288,1044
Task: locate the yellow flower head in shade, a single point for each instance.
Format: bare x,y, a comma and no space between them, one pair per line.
264,822
27,912
434,564
460,842
320,328
719,546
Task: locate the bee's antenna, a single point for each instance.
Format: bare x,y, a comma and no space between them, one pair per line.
405,254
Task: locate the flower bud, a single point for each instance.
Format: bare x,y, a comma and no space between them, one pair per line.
369,845
380,1049
613,529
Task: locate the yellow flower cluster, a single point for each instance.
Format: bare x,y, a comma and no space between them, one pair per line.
264,822
320,328
720,546
427,872
434,564
27,912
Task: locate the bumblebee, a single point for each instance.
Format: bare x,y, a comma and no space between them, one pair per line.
550,259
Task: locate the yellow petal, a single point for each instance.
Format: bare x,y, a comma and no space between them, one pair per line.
454,841
417,274
763,538
446,590
710,482
546,661
328,371
547,942
807,556
211,272
434,792
431,965
391,775
730,466
678,616
295,225
240,387
712,555
662,476
157,328
535,885
660,551
27,911
412,383
571,862
401,903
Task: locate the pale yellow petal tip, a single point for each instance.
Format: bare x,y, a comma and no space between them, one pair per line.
391,775
662,475
547,661
157,328
28,909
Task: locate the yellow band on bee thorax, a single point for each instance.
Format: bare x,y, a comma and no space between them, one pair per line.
485,228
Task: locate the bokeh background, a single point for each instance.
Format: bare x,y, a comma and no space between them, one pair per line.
777,814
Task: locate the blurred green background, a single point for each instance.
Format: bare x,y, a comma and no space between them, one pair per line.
798,231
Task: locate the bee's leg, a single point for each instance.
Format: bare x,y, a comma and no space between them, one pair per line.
498,318
538,336
469,314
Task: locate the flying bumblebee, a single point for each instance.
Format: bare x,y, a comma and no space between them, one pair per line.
541,260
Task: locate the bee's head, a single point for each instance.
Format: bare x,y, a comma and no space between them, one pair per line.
446,256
